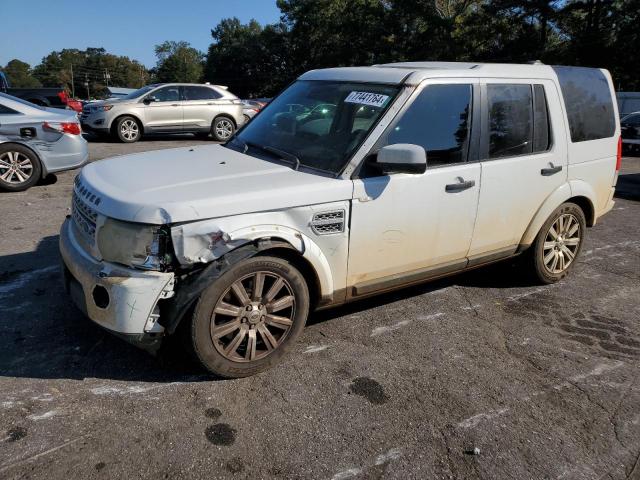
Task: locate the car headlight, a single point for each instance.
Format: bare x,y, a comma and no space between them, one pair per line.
133,244
106,108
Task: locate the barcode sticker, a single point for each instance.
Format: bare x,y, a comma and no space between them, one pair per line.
367,98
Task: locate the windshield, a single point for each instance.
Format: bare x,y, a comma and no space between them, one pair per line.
317,124
139,92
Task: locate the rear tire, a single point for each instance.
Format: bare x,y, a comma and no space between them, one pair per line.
248,319
222,129
128,129
20,168
558,244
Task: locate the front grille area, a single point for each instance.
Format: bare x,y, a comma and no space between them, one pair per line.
84,217
327,223
82,211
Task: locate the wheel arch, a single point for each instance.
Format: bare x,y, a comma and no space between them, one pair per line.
227,116
196,282
564,193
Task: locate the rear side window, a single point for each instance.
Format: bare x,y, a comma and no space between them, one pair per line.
200,93
4,110
588,101
518,120
438,120
510,120
541,124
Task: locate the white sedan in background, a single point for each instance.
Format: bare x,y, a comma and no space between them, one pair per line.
36,141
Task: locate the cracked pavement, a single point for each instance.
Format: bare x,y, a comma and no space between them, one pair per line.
543,380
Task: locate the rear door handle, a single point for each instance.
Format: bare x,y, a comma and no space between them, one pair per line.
175,104
546,172
460,186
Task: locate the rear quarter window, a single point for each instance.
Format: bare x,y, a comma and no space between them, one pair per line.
588,101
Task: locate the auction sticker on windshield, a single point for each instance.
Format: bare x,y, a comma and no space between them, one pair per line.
367,98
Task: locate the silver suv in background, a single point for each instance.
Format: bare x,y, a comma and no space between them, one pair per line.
167,108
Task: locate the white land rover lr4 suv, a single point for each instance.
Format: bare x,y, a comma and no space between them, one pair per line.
353,181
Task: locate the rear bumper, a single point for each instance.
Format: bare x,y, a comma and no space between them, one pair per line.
120,299
69,152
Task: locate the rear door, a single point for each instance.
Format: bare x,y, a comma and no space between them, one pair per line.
200,107
523,158
164,111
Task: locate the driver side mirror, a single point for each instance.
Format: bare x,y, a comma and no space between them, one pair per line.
402,158
149,99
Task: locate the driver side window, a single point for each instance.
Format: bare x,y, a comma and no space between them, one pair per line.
166,94
439,120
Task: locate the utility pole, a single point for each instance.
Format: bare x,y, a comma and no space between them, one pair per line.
86,84
73,85
107,76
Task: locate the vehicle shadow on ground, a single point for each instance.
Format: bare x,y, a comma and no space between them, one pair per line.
508,273
628,186
43,335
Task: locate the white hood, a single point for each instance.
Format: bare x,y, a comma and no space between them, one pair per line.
195,183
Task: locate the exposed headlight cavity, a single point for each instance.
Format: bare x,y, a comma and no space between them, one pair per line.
133,244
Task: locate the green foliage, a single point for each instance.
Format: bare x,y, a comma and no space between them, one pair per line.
93,70
258,61
178,62
19,75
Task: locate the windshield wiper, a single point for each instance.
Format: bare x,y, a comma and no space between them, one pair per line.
281,154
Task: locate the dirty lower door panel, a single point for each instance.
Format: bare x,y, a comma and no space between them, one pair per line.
402,224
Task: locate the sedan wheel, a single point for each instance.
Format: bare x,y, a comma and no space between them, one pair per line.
15,167
248,318
19,168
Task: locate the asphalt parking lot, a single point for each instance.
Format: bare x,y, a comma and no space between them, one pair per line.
541,380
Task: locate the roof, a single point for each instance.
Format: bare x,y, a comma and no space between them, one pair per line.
415,72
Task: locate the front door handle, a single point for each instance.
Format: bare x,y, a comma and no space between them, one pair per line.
546,172
460,186
175,105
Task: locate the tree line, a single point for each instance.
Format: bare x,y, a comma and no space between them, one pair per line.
256,60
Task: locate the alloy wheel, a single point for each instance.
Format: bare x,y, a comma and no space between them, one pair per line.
224,129
129,129
561,243
253,317
15,167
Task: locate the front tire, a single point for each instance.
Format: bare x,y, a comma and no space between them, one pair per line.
222,129
20,168
248,319
128,129
558,244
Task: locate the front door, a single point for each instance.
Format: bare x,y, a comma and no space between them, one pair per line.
404,227
164,111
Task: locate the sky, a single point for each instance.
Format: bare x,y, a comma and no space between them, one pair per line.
31,30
